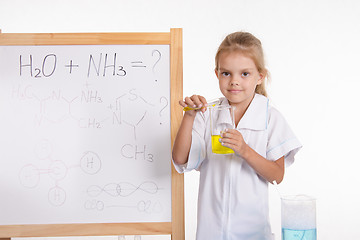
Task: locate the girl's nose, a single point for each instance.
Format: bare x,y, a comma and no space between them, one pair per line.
234,81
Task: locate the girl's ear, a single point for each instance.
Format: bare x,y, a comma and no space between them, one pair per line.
261,79
216,73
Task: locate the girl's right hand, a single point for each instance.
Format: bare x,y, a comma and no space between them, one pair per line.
195,101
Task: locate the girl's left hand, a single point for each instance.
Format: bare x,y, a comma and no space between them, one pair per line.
233,139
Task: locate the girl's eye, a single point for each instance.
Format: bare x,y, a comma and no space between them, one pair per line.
225,74
245,74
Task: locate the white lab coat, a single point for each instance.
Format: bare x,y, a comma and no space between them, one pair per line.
233,198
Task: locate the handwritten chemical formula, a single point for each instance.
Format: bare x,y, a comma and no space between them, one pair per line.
86,132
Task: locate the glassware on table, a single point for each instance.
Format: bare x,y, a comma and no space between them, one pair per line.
298,217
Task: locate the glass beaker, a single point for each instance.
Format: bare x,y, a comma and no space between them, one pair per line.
298,217
221,118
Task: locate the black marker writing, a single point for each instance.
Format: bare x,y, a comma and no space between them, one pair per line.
108,66
47,69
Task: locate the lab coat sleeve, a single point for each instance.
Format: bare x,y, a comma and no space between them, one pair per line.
281,139
197,151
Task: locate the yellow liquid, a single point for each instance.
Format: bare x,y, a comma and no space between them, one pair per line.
217,147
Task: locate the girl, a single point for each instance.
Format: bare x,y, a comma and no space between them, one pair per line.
233,191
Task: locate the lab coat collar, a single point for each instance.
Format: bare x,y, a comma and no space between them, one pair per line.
255,117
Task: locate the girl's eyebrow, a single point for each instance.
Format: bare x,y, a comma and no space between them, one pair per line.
243,70
247,69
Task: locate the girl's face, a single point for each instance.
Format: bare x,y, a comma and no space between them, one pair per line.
238,77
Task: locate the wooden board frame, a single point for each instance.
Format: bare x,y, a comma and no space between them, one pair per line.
175,228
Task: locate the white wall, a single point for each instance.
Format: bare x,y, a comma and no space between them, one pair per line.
312,49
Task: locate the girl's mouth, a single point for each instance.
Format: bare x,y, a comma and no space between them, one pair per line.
234,90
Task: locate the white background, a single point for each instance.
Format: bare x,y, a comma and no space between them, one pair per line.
312,53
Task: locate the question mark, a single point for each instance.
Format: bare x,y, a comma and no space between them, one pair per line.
167,102
159,57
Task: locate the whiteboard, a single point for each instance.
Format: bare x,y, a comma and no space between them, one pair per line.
85,134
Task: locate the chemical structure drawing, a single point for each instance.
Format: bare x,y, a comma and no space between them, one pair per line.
124,106
129,108
124,189
136,152
30,175
144,206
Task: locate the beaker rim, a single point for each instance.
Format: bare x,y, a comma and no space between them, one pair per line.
298,197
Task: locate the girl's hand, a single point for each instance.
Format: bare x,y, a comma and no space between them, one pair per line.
195,101
269,170
233,139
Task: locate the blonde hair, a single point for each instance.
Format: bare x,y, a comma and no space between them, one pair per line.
249,45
